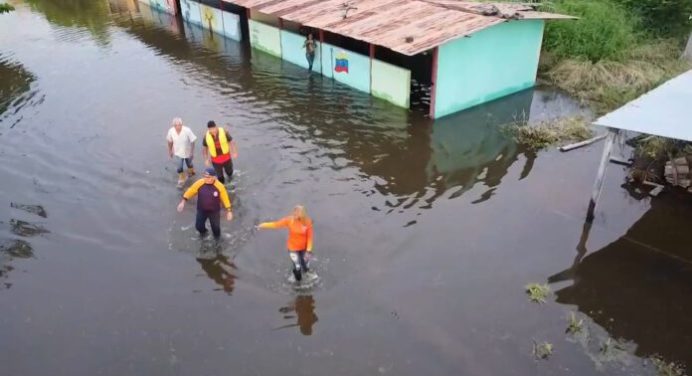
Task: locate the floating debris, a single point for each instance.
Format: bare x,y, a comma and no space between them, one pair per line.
16,248
542,350
537,292
23,228
574,326
33,209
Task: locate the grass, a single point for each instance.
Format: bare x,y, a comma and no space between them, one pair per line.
6,8
542,350
664,368
547,133
608,84
537,292
574,326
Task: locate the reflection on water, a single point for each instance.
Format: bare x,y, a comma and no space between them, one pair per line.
432,293
91,15
11,249
302,310
638,288
15,88
220,270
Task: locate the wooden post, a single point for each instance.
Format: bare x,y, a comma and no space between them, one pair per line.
600,177
372,56
321,32
433,83
688,50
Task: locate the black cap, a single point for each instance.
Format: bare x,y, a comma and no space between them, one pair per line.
211,124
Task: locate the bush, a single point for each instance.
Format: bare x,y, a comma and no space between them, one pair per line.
663,17
5,8
604,30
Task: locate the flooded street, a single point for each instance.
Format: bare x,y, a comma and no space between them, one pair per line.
425,232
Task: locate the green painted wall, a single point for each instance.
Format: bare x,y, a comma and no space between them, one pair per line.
391,83
265,38
492,63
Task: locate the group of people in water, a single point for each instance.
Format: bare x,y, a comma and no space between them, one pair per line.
218,151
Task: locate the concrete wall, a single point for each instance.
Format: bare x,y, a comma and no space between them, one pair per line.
391,83
231,26
492,63
190,11
292,50
168,6
265,38
346,67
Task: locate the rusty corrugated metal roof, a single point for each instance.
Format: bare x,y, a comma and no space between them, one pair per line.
405,26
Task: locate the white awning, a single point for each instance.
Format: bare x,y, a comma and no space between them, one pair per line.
665,111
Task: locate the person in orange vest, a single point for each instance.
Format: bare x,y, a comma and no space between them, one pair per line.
219,150
299,241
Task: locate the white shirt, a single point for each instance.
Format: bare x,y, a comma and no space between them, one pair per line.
182,142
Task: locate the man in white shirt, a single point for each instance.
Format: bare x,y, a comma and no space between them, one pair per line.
181,144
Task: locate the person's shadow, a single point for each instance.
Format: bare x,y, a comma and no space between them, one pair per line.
304,308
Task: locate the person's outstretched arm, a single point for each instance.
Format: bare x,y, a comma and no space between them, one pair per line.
282,223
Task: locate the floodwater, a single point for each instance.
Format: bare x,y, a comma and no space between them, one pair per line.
426,232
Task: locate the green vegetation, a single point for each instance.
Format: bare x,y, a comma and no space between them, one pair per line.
604,30
542,350
616,50
6,8
537,292
664,368
574,326
547,133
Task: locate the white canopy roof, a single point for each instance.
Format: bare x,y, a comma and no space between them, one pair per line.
665,111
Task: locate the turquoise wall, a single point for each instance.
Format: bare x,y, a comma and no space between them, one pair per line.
190,12
492,63
231,25
391,83
292,50
326,50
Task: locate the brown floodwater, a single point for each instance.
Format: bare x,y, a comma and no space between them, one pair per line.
426,232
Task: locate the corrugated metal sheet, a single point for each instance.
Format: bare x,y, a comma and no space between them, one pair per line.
405,26
665,111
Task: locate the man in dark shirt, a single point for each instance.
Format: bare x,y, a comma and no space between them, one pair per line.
210,195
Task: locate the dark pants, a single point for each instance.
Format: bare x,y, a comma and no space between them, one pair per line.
311,59
300,266
214,220
186,161
228,167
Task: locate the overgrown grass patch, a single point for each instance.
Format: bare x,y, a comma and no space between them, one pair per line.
547,133
537,292
608,84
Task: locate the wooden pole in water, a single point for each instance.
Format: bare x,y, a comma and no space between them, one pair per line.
321,32
372,56
433,83
600,177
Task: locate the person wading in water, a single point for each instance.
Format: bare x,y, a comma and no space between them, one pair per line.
219,150
211,194
309,46
181,144
299,241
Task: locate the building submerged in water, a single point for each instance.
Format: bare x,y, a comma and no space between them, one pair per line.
447,55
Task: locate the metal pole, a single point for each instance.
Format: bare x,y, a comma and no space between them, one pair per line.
600,177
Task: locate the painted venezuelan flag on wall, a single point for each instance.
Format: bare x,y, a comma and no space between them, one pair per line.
341,62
